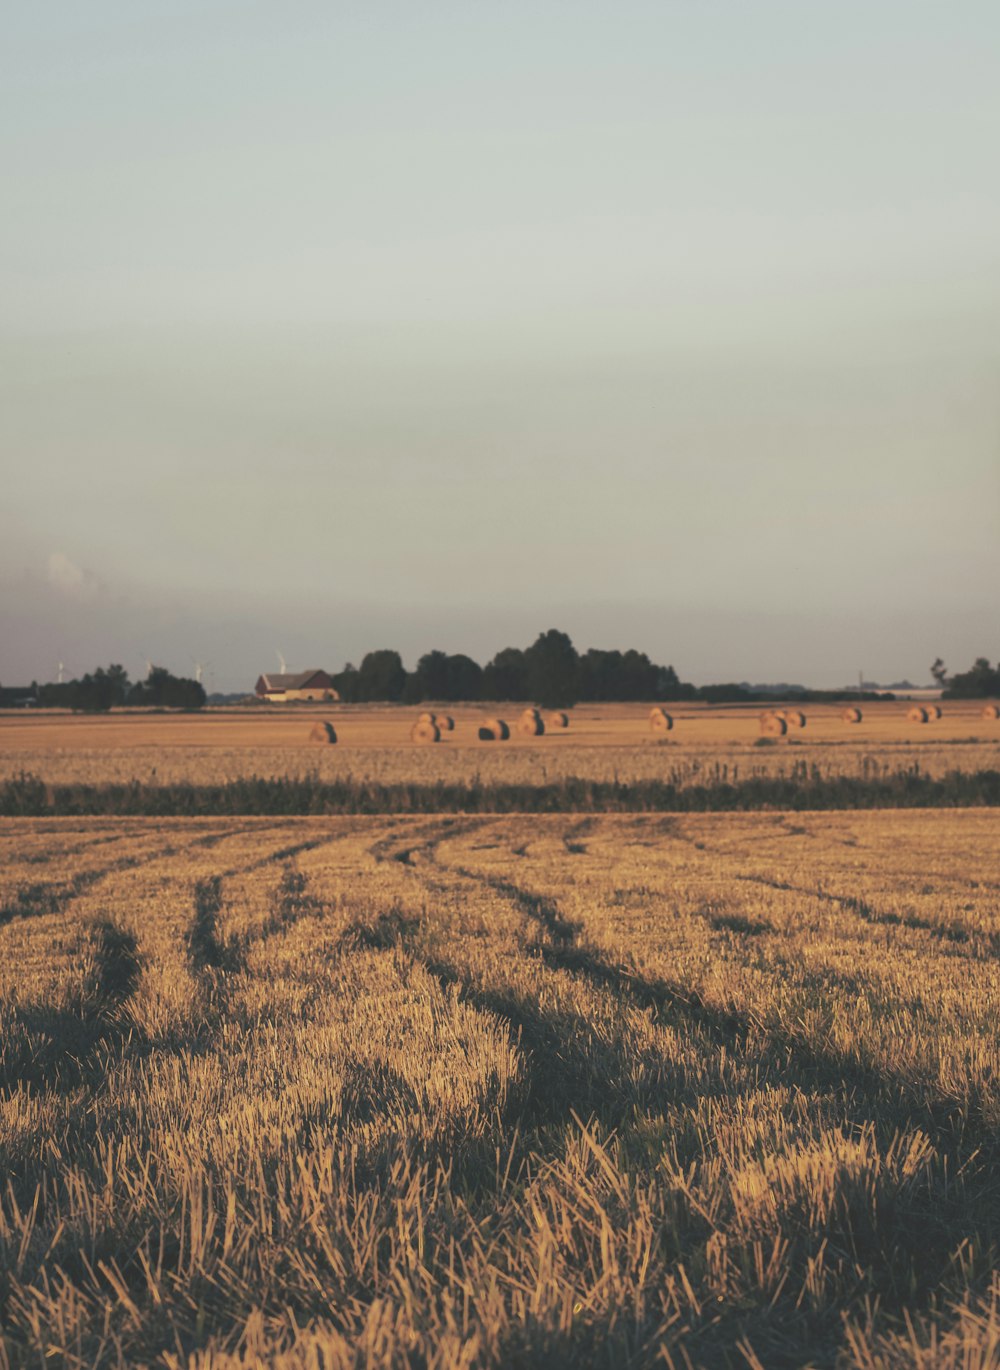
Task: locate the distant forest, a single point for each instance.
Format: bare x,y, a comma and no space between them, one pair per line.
982,681
551,672
109,687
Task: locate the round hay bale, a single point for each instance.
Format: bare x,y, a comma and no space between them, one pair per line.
660,721
530,724
933,712
795,718
494,730
427,718
557,719
918,714
991,711
323,733
852,715
772,725
425,732
445,722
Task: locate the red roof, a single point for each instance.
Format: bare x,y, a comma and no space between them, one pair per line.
298,680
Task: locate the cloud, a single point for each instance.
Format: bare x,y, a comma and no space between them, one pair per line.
71,580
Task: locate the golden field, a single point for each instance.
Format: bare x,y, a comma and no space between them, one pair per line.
457,1092
603,742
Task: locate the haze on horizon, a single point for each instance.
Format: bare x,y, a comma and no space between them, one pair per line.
672,325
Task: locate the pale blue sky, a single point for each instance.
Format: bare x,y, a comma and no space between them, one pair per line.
329,327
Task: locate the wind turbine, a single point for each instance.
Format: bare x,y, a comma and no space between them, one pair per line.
61,673
281,662
199,667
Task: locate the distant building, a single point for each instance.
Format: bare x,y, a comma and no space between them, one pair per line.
297,686
18,696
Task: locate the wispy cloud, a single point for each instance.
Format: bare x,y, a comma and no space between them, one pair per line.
71,580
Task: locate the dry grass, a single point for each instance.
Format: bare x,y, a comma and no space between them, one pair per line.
603,742
452,1092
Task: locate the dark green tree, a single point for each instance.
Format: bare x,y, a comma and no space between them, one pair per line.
161,690
981,682
552,664
346,683
465,678
669,686
506,676
430,679
381,676
95,692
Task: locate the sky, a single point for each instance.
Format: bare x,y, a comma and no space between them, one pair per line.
327,327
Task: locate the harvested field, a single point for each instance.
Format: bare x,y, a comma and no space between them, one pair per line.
461,1092
603,742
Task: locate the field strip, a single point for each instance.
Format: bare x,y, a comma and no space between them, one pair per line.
452,1076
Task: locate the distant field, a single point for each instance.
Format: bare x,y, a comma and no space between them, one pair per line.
543,1090
603,742
546,1092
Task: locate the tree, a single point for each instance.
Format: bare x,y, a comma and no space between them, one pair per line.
440,676
161,690
940,672
465,678
981,682
346,683
382,676
430,679
670,686
506,676
95,692
552,670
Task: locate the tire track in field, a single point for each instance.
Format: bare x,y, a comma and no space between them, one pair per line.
772,1047
567,1065
282,854
213,960
44,898
42,858
65,1049
570,1069
538,908
562,948
80,1045
573,1068
864,1087
570,1066
868,913
429,838
571,838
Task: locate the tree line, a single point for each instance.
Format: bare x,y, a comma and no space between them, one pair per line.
551,672
109,687
981,681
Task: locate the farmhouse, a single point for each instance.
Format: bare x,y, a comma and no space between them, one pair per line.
299,685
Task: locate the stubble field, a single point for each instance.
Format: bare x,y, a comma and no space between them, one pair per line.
469,1091
603,743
